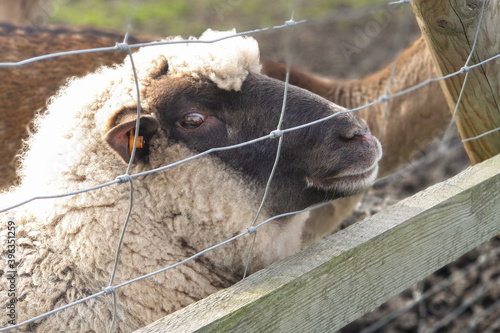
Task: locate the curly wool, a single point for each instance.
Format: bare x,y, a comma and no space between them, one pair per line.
226,62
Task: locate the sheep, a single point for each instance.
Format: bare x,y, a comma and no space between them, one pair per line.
193,97
413,119
41,79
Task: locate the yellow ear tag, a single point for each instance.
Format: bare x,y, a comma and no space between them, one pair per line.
140,141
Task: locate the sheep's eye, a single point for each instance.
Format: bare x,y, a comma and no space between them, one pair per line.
192,121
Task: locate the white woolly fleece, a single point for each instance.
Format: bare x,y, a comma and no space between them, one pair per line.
226,62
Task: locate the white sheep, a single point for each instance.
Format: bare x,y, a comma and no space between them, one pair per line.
193,97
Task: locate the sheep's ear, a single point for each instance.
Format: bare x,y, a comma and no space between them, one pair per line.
121,137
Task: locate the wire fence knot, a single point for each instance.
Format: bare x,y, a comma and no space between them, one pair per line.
276,134
124,178
291,23
123,47
384,98
108,290
464,69
252,230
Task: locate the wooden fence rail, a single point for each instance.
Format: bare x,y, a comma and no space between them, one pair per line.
348,274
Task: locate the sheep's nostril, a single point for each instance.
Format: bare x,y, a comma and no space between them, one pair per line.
355,133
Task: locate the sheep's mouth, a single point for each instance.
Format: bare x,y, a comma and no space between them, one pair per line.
348,183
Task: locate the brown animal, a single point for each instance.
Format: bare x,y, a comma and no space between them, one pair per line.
25,89
413,119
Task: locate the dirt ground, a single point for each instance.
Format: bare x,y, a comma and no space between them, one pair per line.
346,46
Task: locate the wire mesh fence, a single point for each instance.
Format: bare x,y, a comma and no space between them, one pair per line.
419,296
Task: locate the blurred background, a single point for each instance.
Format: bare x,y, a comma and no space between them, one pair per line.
341,38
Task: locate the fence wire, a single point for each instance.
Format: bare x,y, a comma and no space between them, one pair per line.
252,229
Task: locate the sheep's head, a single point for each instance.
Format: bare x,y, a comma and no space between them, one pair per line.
334,158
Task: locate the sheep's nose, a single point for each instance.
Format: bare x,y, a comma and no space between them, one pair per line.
359,132
353,133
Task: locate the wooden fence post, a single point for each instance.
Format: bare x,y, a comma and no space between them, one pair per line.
449,28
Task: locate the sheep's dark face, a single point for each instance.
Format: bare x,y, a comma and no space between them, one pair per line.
334,158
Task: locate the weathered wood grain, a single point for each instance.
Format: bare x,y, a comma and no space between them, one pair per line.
449,28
